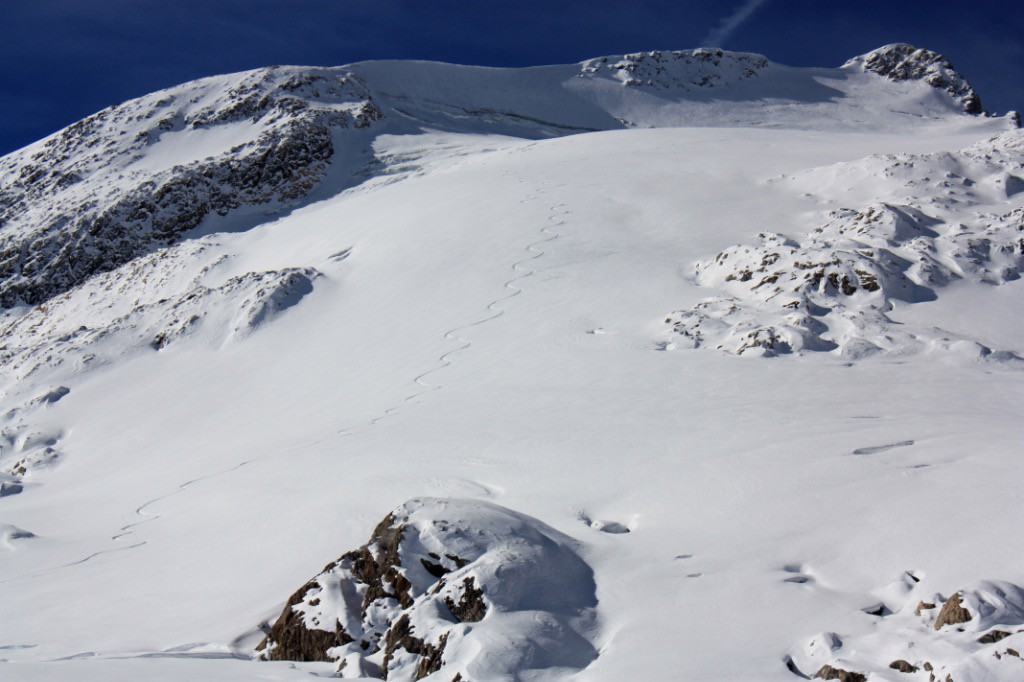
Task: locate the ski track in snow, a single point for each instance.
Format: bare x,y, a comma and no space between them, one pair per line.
129,529
557,215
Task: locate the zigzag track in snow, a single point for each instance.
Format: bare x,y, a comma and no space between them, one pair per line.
128,529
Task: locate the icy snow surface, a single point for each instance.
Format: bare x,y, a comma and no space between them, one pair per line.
471,301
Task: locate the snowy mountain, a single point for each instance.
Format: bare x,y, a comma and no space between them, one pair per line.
671,365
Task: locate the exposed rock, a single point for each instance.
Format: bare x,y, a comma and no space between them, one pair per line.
400,637
686,70
982,614
471,608
398,604
827,672
952,613
902,62
379,572
291,640
993,636
903,666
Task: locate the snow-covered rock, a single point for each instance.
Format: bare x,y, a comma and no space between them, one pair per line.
833,289
975,634
451,587
683,70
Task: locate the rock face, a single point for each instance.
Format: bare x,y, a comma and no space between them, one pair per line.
459,586
177,156
902,62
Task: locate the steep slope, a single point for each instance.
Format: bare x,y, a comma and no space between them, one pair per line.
469,316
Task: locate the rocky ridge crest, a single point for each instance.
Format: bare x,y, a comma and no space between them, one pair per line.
903,62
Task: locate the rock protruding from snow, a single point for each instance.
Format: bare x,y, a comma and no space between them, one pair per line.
827,672
952,613
902,62
976,635
459,586
832,289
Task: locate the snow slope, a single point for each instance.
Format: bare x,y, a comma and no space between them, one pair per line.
469,300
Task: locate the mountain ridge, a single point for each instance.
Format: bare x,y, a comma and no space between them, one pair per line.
252,315
270,137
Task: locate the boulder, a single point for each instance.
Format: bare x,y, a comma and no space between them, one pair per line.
460,586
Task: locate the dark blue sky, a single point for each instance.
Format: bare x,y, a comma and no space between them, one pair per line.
64,59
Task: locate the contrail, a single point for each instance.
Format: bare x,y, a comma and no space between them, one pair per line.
718,36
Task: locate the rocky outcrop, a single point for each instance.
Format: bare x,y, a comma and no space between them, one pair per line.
831,289
975,635
136,177
444,585
952,613
827,672
903,666
685,70
902,62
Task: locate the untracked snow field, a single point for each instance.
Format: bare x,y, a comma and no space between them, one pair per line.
488,322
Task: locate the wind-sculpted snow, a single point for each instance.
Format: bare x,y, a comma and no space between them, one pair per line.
111,317
26,447
902,62
136,177
462,588
832,289
971,635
